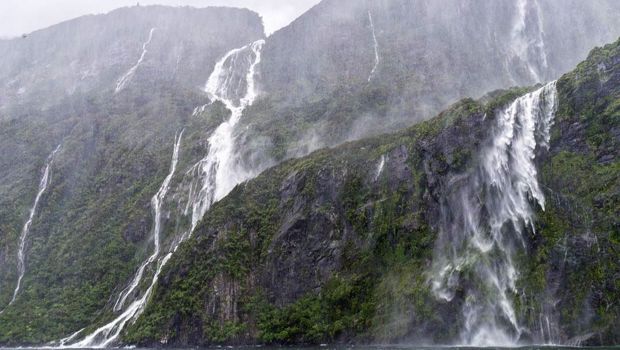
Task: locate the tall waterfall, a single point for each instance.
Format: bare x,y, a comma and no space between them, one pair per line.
21,257
484,217
109,333
232,83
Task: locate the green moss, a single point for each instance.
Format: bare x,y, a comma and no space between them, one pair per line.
343,305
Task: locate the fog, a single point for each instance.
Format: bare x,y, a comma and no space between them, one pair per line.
24,16
163,111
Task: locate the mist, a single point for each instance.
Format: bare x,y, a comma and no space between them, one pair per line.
180,173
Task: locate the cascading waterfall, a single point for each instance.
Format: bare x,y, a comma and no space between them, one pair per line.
483,219
218,173
120,84
376,46
21,257
107,334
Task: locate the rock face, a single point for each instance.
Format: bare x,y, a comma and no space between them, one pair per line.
337,246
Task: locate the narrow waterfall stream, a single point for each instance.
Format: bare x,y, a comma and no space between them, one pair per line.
375,46
21,257
483,220
528,42
126,78
156,203
110,332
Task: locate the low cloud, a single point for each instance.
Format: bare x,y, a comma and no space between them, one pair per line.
24,16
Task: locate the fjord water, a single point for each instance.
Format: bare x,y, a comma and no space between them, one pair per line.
371,347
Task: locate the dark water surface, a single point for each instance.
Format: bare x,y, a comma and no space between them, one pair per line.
356,347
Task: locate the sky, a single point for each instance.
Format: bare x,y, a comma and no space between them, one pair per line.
24,16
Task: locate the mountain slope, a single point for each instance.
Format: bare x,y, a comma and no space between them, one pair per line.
351,69
91,228
338,246
120,94
96,52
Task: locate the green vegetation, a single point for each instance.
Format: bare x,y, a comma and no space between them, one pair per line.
92,223
325,249
576,250
375,228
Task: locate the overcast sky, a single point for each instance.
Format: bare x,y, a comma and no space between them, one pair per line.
24,16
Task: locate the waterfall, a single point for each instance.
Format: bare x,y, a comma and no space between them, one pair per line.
120,84
527,39
232,83
156,203
376,46
214,176
64,341
107,334
380,167
483,218
21,257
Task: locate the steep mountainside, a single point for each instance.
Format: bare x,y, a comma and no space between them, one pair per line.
344,244
118,132
110,92
348,69
172,47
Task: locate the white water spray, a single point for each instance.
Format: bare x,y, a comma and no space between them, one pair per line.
64,341
528,44
483,219
120,84
21,257
232,83
109,333
376,46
